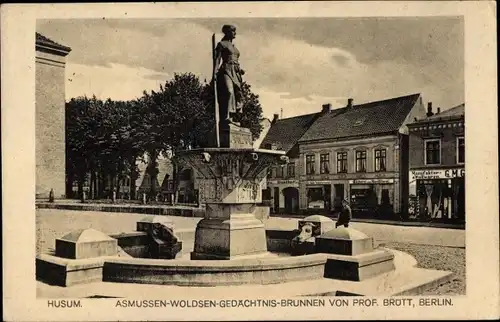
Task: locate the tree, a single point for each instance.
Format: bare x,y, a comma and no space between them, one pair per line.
106,138
172,118
81,125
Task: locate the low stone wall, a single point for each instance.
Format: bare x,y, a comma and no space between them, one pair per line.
68,272
215,273
261,212
149,210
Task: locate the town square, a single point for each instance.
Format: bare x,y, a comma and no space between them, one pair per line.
223,161
169,188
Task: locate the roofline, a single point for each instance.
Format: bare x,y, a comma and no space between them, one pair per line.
51,48
351,137
385,100
297,116
437,120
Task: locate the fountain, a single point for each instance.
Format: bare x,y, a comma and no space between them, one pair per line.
231,246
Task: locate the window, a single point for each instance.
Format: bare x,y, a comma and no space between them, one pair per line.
324,163
380,160
291,169
270,172
460,150
432,151
360,161
310,164
280,170
342,162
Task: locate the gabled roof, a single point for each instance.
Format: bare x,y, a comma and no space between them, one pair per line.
285,133
364,119
42,41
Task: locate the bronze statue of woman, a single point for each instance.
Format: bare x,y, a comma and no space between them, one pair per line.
228,76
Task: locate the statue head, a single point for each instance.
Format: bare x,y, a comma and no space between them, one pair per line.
229,31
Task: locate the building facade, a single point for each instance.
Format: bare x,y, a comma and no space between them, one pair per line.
282,192
437,165
358,153
50,62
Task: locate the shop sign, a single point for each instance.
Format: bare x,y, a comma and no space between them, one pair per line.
371,181
286,182
437,174
318,182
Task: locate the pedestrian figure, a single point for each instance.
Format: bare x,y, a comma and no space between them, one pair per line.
345,215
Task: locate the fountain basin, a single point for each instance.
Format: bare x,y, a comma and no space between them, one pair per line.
259,270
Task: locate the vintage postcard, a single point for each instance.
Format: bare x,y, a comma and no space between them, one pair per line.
250,161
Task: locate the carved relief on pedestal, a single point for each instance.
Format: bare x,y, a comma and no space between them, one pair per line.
230,176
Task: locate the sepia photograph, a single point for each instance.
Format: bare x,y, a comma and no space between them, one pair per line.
220,162
313,152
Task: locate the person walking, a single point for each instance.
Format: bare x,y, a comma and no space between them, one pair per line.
345,215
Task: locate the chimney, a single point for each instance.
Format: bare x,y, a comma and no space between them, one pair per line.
326,108
438,111
349,102
429,109
275,118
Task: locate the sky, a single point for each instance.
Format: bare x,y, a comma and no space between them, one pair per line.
294,64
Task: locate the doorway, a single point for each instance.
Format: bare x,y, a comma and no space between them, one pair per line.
276,204
338,197
291,200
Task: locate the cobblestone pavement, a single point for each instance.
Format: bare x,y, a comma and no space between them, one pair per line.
52,224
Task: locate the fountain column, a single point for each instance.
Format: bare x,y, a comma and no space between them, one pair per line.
231,183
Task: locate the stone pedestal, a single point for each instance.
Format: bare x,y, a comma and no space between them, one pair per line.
344,241
351,255
229,232
233,136
86,243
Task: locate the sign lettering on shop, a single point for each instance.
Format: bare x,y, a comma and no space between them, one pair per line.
283,182
437,174
318,182
368,181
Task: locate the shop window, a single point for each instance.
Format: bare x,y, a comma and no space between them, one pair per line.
460,150
363,199
316,198
291,170
360,161
310,164
380,160
435,199
342,162
433,151
324,163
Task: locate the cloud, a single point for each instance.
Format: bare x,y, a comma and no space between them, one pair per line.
119,82
289,72
273,102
